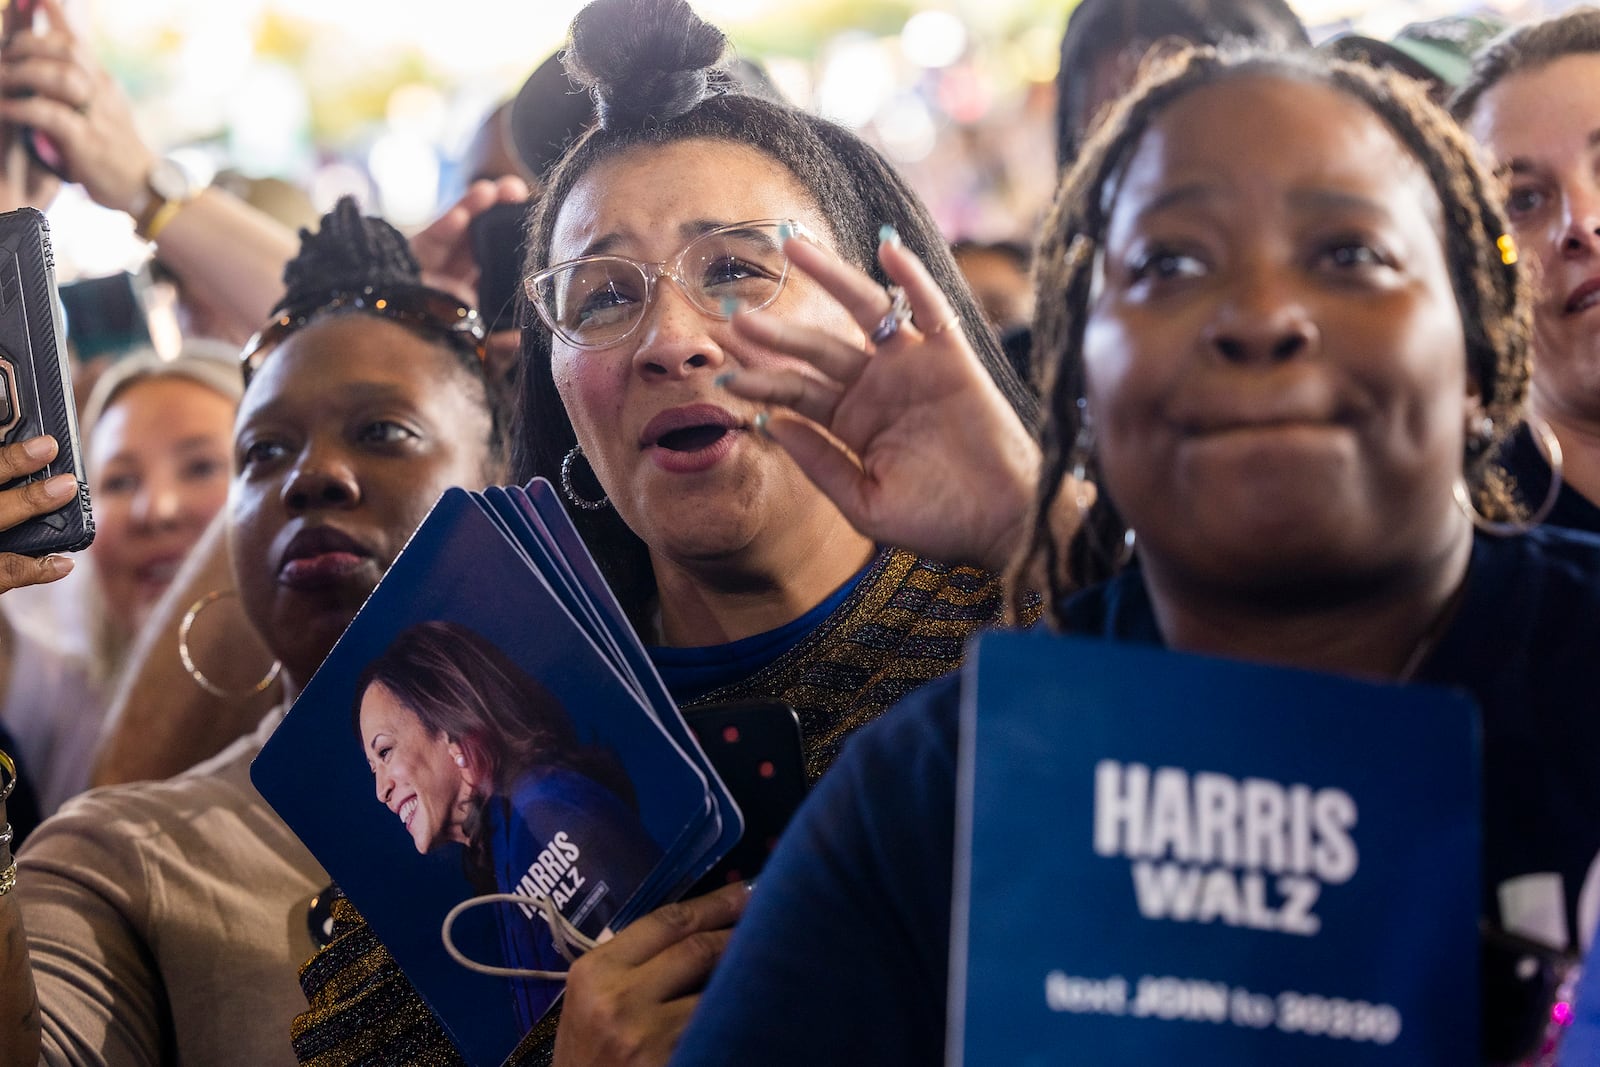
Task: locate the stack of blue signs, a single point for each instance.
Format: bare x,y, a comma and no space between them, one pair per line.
490,724
1162,858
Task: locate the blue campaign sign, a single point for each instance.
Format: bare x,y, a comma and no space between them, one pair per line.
1164,858
579,790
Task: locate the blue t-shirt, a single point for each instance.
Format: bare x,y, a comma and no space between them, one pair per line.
843,955
691,673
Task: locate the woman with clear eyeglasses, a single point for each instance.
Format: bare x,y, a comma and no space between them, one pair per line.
739,574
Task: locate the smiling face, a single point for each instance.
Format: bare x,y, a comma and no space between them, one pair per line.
1274,355
1542,128
420,776
674,452
347,435
159,457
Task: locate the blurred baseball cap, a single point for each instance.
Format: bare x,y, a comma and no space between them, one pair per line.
1438,51
548,113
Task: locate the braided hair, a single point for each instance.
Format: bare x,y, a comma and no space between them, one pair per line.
347,250
1490,292
657,75
350,252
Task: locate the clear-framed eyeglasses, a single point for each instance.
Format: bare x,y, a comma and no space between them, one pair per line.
599,301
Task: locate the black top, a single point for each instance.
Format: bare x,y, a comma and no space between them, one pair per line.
1522,459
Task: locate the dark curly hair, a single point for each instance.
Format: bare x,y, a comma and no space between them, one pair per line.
655,70
1490,292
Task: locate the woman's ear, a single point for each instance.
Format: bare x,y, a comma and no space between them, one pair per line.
458,756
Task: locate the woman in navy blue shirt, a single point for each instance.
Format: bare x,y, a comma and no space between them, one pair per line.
1282,335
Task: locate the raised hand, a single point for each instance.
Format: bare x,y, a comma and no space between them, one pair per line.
909,436
52,82
444,247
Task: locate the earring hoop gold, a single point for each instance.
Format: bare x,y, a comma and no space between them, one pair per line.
188,660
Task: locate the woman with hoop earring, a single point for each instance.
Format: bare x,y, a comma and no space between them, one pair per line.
1530,103
163,921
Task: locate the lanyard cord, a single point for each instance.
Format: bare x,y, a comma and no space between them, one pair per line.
569,941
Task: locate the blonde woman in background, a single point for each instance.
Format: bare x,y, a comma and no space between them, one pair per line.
157,443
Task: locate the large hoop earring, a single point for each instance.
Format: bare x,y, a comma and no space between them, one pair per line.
1552,450
566,483
188,660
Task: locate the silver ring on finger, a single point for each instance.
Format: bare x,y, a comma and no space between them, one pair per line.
898,314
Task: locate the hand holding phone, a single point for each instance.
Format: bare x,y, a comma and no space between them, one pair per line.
63,110
497,247
44,499
27,502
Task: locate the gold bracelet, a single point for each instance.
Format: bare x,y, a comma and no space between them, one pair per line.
8,878
164,214
8,775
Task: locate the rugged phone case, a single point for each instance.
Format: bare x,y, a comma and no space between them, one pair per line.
35,386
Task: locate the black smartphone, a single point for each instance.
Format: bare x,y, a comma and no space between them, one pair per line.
106,316
757,749
497,243
19,16
35,385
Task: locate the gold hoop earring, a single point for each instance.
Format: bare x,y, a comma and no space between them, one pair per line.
188,660
1552,451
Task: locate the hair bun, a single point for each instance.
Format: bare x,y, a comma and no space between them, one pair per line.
646,61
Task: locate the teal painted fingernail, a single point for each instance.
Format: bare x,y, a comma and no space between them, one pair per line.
785,231
888,235
761,421
731,305
721,380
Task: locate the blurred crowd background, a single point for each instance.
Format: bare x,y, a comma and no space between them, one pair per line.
382,98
